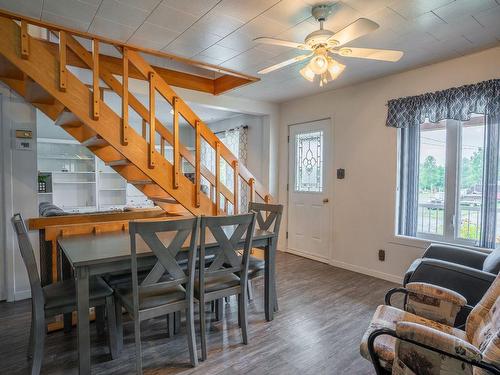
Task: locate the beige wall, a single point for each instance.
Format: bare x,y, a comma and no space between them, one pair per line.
364,202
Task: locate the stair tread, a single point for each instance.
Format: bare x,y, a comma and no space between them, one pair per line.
167,199
67,118
141,182
95,141
115,163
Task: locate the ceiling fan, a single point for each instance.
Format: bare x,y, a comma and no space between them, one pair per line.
322,44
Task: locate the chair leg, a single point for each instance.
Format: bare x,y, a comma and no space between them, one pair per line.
177,322
170,325
242,310
119,326
250,290
218,309
68,322
30,342
100,317
112,331
38,344
203,333
193,354
138,350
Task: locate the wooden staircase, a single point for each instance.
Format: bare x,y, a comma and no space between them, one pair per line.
37,71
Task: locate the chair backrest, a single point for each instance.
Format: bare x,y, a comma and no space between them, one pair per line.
175,233
483,323
228,232
29,260
272,221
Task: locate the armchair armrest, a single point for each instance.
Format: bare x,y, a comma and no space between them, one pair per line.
430,301
463,357
455,254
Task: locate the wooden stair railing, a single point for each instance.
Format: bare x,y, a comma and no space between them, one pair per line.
83,113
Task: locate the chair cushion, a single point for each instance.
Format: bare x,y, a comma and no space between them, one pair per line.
63,293
152,297
388,317
216,283
492,262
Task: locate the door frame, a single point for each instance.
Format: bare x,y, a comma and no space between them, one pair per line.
331,188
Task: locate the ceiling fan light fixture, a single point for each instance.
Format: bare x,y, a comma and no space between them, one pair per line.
319,64
335,68
307,73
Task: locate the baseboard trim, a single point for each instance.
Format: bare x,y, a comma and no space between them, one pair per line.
367,271
23,294
308,256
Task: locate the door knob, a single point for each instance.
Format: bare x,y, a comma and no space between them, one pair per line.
325,200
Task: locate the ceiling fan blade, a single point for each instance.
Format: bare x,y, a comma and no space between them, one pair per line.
372,54
284,63
280,42
358,28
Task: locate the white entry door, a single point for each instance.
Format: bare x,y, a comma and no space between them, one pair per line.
309,211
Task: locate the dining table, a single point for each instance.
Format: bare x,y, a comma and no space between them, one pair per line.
100,254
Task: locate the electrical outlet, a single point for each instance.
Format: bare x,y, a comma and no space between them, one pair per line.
381,255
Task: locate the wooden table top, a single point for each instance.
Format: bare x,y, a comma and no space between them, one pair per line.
91,249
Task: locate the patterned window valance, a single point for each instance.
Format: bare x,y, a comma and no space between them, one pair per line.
456,103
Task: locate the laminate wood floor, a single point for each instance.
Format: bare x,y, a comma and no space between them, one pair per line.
324,312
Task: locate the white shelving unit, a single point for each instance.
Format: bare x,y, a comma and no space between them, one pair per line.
77,181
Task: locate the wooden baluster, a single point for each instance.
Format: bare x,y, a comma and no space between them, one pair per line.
25,40
144,129
124,96
226,205
152,119
95,78
177,164
62,61
217,177
267,199
197,167
236,186
162,146
251,183
211,192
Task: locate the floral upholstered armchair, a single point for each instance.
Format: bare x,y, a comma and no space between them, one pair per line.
407,343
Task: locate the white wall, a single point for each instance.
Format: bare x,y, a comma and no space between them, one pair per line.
364,202
19,185
255,161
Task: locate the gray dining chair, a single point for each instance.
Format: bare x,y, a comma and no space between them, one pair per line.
168,287
217,279
56,299
268,219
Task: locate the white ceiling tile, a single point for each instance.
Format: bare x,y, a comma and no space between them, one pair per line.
154,33
486,36
146,43
263,26
237,41
489,18
111,29
220,52
147,5
460,8
73,9
65,21
182,49
32,8
367,7
460,26
121,13
414,8
218,24
244,10
388,18
299,32
194,7
198,38
208,59
171,18
289,12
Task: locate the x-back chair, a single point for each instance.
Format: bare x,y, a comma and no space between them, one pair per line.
217,277
168,287
57,298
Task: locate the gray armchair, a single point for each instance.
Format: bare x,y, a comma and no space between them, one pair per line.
462,270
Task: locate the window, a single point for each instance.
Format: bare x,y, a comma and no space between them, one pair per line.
309,162
450,181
